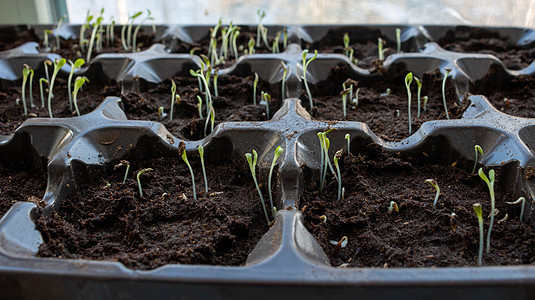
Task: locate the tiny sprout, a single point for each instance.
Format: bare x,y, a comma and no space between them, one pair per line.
123,163
477,149
523,200
348,138
234,37
326,144
31,89
275,48
182,152
200,106
139,181
45,41
57,32
387,92
479,213
305,65
201,155
346,43
47,63
278,152
285,38
398,38
255,83
380,44
444,92
261,14
344,94
161,113
337,166
322,158
216,74
355,100
265,37
252,159
57,66
96,25
134,37
77,64
173,93
129,33
434,183
424,104
490,183
41,90
340,244
250,46
419,83
284,74
266,98
393,207
408,81
505,218
78,83
323,218
25,73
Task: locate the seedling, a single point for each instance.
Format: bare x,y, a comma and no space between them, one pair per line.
182,152
46,32
261,14
58,64
337,166
252,159
31,87
216,74
57,32
444,93
355,100
398,39
265,37
96,25
134,38
393,207
520,200
278,152
25,73
387,92
380,44
173,93
82,41
129,32
434,183
250,46
479,214
212,118
285,38
123,163
234,47
419,83
200,106
255,83
490,183
323,219
344,94
346,43
424,104
326,144
284,74
305,65
139,173
77,85
109,33
408,81
266,98
208,95
77,64
41,90
161,113
276,43
47,63
322,158
477,149
213,41
340,244
201,155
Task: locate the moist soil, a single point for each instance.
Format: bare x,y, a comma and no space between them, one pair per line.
419,235
17,184
107,220
385,114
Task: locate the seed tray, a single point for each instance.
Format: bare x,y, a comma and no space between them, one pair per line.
287,260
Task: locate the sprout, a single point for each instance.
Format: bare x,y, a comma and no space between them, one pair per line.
57,67
424,104
434,183
123,163
77,64
479,214
182,152
419,83
255,83
276,43
234,47
25,73
344,93
77,85
322,157
129,32
285,38
340,244
212,118
323,218
380,44
201,155
266,98
259,29
346,43
31,87
161,113
58,46
477,148
173,93
212,51
355,100
250,46
336,159
216,74
326,144
408,81
398,39
523,200
444,93
265,37
393,207
139,173
200,106
278,152
134,38
82,40
252,159
348,138
109,33
305,65
47,63
208,96
41,90
284,74
91,41
490,184
46,32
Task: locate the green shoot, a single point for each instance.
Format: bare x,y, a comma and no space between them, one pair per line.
285,38
344,93
305,65
408,81
173,93
134,38
96,25
398,38
208,95
444,93
434,183
123,163
322,157
326,145
47,63
348,138
520,200
479,214
57,66
477,149
252,159
355,100
255,83
25,73
46,32
201,155
250,46
212,118
393,207
346,43
234,47
337,156
41,90
112,33
216,74
84,26
380,44
213,41
77,85
284,74
31,88
265,37
77,64
419,83
259,29
161,113
129,32
278,152
200,106
266,98
182,152
424,104
490,183
276,43
57,32
139,173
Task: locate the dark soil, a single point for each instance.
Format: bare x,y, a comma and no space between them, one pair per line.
419,235
20,185
166,226
380,111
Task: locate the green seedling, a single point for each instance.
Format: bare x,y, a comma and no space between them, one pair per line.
108,33
490,183
84,26
345,91
479,213
323,219
434,184
276,43
201,155
261,14
419,83
265,38
121,164
139,173
284,74
408,81
58,64
213,40
182,152
278,152
520,200
77,64
285,38
96,25
252,159
266,98
250,46
47,63
398,39
41,90
326,144
424,102
322,158
255,83
393,207
173,93
348,139
161,113
355,100
31,87
477,149
380,44
129,32
200,106
234,47
78,83
134,38
305,65
211,118
208,95
216,74
46,32
346,43
337,166
25,73
58,46
444,92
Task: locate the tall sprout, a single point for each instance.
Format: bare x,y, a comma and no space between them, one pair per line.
444,92
278,152
490,183
58,64
201,155
252,159
182,151
25,73
408,81
77,64
305,65
134,38
479,213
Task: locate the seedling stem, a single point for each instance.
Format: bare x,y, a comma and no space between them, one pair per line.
490,183
479,214
252,159
278,152
477,149
444,94
139,180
